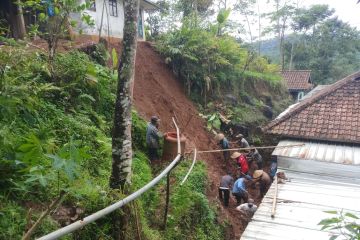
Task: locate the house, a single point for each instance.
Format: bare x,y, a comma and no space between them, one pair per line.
298,82
323,170
108,16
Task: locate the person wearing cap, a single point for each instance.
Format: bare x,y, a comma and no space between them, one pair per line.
225,185
255,155
264,179
239,190
241,162
248,208
153,138
224,144
242,141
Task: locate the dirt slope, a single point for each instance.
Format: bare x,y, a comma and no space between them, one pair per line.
157,92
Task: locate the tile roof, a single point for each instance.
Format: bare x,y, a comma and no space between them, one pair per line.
297,79
332,114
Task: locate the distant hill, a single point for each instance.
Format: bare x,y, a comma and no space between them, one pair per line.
269,48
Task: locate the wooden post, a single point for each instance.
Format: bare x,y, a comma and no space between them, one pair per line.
167,198
275,198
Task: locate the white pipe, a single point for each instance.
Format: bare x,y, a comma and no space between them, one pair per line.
178,136
192,166
95,216
99,214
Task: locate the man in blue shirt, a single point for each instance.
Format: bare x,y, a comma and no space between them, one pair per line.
239,190
153,138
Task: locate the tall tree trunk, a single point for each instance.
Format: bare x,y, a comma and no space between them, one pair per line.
249,27
121,136
21,31
282,43
259,16
291,56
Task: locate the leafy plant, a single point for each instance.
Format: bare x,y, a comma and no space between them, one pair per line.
343,224
54,20
213,121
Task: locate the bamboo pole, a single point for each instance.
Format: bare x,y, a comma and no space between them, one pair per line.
249,148
52,206
167,199
273,209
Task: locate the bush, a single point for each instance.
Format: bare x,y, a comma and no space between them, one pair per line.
210,65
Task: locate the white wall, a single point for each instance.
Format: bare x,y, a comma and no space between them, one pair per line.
112,25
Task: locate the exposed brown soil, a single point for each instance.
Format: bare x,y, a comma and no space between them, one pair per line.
158,92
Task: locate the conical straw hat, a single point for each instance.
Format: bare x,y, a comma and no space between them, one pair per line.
258,173
235,155
219,137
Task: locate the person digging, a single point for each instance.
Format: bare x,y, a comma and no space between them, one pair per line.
248,208
153,139
242,141
226,183
239,190
264,179
241,161
224,144
255,155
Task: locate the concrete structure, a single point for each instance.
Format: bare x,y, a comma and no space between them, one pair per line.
109,18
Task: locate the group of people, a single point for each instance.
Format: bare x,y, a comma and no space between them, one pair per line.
248,163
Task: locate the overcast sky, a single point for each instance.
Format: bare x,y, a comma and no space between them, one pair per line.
347,10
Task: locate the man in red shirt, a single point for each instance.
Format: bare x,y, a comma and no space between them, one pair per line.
241,161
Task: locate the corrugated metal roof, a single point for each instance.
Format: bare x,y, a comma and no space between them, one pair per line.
301,205
314,91
319,151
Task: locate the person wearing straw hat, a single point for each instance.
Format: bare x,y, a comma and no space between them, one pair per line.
224,144
264,179
241,162
242,141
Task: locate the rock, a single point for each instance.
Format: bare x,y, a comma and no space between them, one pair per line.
268,112
231,99
238,128
247,100
268,101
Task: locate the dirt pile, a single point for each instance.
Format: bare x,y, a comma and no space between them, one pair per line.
158,92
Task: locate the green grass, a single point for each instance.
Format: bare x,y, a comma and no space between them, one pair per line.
55,135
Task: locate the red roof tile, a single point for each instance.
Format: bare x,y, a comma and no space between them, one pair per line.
297,79
333,114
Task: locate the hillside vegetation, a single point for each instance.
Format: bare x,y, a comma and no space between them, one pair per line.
55,137
223,76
